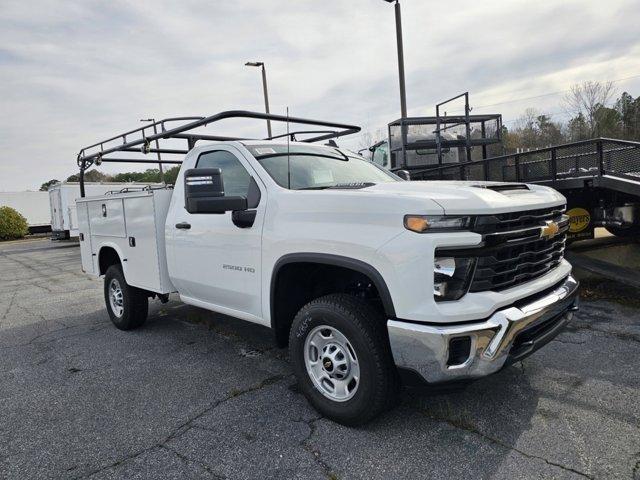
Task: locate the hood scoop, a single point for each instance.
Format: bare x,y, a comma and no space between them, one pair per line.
503,187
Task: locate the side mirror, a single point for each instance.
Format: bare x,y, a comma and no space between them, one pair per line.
403,174
204,192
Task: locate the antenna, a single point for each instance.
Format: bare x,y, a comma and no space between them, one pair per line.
288,154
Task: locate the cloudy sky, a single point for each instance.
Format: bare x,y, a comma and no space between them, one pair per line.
72,72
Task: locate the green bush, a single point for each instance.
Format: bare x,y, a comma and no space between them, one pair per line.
12,224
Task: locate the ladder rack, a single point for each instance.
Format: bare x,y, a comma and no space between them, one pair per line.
140,140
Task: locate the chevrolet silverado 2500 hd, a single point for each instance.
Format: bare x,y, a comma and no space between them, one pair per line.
371,280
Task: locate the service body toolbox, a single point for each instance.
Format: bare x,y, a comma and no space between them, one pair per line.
128,222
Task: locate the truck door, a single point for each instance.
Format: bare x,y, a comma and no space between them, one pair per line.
213,260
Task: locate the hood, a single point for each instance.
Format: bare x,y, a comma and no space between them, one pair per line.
471,197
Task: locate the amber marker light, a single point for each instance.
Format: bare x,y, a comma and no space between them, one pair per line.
416,223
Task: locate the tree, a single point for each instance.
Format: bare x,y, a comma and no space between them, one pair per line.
151,175
549,132
171,174
45,186
629,111
608,122
91,176
533,130
577,128
586,98
12,224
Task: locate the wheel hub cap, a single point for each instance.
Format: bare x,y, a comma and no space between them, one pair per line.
331,363
116,297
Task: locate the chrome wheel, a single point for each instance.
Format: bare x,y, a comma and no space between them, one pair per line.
332,363
116,298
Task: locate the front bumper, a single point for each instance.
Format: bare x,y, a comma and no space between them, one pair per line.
507,336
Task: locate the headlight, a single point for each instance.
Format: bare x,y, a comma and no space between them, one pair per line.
451,277
428,223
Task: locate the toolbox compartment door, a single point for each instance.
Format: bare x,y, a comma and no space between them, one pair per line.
107,218
141,246
86,252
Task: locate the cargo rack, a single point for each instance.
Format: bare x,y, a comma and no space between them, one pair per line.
408,135
139,140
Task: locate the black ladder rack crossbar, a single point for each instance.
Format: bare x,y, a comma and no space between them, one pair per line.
141,142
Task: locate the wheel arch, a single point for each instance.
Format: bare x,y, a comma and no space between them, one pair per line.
110,254
330,260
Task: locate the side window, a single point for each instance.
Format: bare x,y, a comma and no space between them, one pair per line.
381,155
235,177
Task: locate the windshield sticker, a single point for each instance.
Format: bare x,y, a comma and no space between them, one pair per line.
265,151
322,176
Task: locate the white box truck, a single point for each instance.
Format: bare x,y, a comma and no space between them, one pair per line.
62,203
371,280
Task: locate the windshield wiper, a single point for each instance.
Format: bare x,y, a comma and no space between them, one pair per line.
323,187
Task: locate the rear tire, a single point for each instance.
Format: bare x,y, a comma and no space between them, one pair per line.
127,306
340,354
625,232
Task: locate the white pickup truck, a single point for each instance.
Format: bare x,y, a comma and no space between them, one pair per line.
373,281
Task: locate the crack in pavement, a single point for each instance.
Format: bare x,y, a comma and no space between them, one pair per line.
188,460
32,341
188,424
4,315
32,313
467,427
315,454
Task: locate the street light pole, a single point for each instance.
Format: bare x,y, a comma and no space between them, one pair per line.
403,93
155,132
264,90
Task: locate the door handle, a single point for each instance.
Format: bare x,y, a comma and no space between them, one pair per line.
183,225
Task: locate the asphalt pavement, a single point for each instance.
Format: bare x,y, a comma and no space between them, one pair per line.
193,394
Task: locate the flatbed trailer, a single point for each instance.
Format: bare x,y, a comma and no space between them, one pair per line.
599,177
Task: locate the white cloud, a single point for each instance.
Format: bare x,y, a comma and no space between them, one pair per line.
75,72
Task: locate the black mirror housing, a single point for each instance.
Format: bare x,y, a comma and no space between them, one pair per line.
403,174
204,192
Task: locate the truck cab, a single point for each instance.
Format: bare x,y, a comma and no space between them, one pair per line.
372,281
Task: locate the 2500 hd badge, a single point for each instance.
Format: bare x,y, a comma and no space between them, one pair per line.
238,268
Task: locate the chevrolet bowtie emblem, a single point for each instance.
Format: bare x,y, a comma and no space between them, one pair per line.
550,230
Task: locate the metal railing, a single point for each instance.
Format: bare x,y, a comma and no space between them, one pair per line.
587,158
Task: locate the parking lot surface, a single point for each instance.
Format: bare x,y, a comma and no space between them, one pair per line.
193,394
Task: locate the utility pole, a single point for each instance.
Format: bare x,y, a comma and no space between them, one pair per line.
264,90
403,93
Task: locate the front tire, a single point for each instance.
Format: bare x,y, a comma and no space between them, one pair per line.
127,306
341,357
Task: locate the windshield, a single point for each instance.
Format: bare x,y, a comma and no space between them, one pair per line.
317,167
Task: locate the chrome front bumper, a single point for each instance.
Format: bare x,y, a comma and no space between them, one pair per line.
425,348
